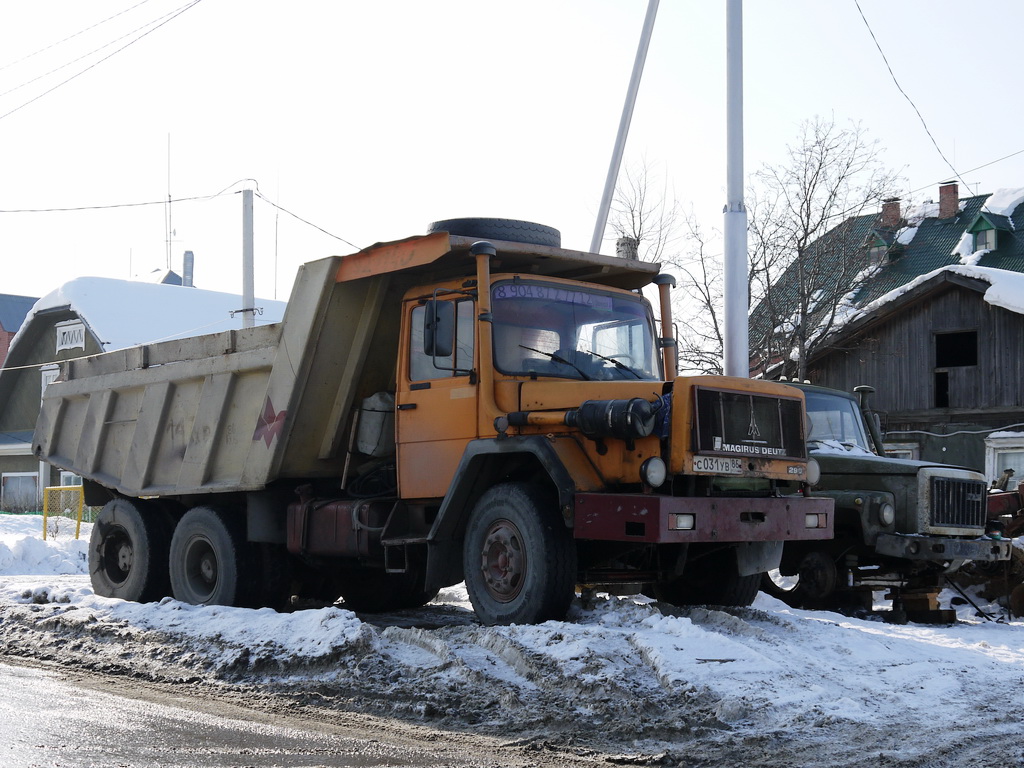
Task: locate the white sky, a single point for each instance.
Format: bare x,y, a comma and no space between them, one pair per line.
373,119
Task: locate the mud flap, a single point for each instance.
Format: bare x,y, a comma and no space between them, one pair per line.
757,556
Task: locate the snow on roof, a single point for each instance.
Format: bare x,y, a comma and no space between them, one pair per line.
1004,201
126,313
1006,288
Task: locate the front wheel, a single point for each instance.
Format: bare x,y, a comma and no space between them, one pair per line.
518,556
206,559
812,586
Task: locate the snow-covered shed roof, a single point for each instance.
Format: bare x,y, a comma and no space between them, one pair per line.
1005,290
126,313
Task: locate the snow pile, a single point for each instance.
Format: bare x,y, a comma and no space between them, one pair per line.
766,685
23,551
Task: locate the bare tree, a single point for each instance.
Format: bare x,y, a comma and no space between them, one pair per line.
647,215
810,221
645,212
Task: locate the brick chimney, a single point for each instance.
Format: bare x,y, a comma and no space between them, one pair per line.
949,200
890,213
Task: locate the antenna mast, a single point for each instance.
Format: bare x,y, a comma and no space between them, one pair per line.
168,217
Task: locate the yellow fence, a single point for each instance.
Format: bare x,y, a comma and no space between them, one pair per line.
63,501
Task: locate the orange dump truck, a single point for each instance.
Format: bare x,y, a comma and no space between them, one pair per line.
476,404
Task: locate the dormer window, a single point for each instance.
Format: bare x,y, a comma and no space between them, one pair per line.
985,240
876,254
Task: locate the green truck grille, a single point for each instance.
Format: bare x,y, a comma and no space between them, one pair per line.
959,503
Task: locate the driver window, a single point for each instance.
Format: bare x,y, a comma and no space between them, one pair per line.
422,366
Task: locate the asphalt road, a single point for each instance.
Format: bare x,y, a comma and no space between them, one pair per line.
51,718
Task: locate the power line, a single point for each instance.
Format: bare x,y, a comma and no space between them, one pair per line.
104,207
112,206
295,216
70,37
171,17
900,88
67,64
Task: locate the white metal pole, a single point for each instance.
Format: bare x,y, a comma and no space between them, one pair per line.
737,344
248,290
624,121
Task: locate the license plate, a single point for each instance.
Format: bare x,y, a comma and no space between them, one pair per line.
717,465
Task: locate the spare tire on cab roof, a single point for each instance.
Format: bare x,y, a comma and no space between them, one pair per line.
500,229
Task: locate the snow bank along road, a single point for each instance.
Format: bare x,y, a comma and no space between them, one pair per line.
624,681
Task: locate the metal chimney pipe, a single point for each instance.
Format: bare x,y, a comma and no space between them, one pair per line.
187,269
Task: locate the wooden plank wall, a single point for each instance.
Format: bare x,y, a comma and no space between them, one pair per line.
897,357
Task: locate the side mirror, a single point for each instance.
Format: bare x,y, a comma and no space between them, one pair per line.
439,328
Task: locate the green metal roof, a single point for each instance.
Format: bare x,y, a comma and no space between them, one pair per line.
933,246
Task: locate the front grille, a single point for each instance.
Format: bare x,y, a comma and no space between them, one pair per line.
959,503
749,424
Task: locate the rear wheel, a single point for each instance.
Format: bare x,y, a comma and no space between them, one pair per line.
206,559
812,586
518,556
128,552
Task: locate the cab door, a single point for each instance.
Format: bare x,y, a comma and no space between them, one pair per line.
436,402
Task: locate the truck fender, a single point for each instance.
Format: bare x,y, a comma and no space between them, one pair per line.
485,463
857,513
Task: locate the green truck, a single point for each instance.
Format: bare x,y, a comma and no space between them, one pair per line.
900,525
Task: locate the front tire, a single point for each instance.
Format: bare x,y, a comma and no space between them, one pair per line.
518,556
206,559
128,552
813,586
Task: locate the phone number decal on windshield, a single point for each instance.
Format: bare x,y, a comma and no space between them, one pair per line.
550,293
717,465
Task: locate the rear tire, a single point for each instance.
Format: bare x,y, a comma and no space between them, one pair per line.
128,552
519,558
206,559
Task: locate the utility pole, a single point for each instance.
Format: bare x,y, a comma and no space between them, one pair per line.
737,344
248,289
624,121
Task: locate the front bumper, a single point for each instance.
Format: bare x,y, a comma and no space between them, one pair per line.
655,519
940,548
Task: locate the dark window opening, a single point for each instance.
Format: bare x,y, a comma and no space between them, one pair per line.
956,349
942,389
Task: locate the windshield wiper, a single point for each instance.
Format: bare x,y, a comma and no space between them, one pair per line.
617,363
559,359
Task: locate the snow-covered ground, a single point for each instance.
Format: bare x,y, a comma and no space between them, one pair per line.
623,681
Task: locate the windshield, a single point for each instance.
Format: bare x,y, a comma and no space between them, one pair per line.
547,329
835,419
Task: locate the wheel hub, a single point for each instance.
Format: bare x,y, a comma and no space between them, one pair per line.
503,561
125,555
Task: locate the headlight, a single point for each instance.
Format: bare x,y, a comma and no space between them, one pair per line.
813,472
653,471
887,513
